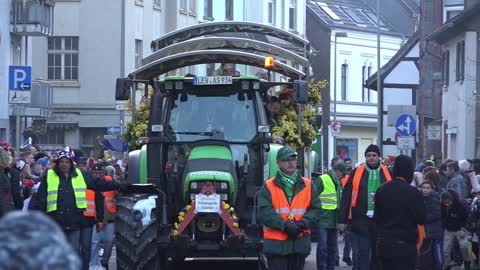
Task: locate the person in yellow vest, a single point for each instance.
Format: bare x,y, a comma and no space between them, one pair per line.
330,189
62,195
104,231
357,208
288,207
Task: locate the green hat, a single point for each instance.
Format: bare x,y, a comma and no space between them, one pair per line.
341,167
285,153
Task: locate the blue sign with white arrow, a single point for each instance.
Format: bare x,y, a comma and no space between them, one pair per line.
406,125
19,78
114,130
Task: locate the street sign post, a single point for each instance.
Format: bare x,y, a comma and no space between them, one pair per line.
406,125
19,84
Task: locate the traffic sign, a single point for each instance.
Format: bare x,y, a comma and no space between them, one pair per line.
114,130
18,97
20,78
121,105
406,143
405,125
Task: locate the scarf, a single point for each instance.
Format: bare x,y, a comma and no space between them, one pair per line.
289,182
373,185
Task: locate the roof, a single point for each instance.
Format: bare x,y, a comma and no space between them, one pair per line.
455,25
371,82
355,15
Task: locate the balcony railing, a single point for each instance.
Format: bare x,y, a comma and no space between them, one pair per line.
32,17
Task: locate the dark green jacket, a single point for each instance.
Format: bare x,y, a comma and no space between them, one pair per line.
328,218
267,216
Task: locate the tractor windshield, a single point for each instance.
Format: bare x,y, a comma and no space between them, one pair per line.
230,118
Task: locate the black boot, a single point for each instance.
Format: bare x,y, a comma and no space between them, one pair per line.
466,266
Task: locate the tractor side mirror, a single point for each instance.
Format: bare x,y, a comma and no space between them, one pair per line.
318,121
300,91
123,88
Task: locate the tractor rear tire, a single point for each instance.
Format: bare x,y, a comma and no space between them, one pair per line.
136,243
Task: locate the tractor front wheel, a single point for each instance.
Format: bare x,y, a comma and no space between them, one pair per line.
136,233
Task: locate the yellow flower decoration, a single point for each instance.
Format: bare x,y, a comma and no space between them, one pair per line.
182,214
181,219
226,206
175,233
235,225
188,207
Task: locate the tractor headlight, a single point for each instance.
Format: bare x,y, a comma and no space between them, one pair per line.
223,185
192,197
224,197
194,185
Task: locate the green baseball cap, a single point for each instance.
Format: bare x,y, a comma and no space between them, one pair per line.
285,153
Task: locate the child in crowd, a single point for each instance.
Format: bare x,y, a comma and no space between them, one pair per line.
431,257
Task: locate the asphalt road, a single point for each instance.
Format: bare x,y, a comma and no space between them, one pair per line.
310,263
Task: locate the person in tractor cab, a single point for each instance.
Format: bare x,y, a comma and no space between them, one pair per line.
273,108
288,207
63,196
104,231
357,208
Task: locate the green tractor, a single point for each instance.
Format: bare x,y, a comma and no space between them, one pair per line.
209,148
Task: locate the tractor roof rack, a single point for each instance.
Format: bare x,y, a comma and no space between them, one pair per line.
244,43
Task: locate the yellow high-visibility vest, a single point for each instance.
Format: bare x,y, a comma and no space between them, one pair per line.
79,189
328,197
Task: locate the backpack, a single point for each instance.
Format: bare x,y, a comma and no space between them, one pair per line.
473,219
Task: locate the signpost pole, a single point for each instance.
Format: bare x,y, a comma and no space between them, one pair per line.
17,129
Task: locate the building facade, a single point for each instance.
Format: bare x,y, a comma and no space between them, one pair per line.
21,22
343,34
88,50
461,81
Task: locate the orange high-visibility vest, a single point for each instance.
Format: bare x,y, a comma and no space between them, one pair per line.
344,181
110,203
91,211
300,205
356,184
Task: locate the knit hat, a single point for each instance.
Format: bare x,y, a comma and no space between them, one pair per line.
285,153
63,154
31,240
403,167
341,167
98,167
372,148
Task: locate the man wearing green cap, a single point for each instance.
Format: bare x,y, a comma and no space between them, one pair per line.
288,208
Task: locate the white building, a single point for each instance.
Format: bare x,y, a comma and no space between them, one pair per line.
343,34
93,43
20,21
461,83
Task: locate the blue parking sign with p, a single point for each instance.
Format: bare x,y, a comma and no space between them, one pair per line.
20,78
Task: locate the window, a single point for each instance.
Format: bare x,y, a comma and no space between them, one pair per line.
157,3
344,81
192,7
347,148
445,68
271,6
63,58
329,12
88,136
138,52
373,18
353,15
228,10
54,136
183,5
292,15
369,73
207,9
460,63
451,11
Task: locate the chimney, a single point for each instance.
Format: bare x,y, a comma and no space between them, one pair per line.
470,3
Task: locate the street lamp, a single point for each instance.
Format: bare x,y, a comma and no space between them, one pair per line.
337,35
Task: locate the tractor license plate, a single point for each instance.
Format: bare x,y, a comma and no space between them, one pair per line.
207,203
212,80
